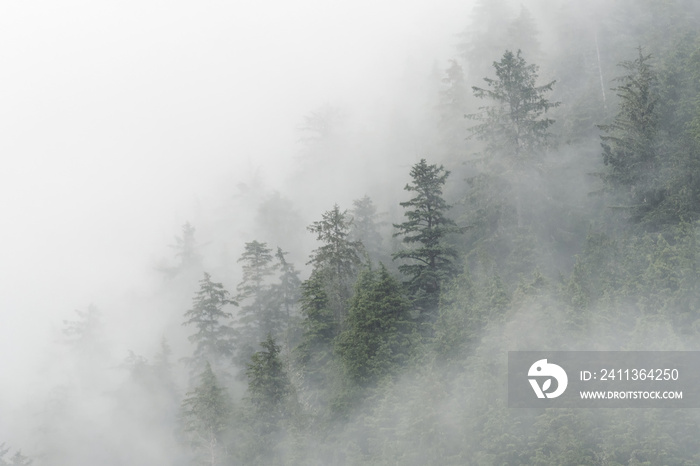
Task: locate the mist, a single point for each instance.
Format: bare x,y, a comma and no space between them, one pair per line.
248,122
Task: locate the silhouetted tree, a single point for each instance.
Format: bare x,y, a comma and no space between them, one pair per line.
630,146
365,227
287,291
429,260
186,247
337,259
206,417
259,314
213,338
514,127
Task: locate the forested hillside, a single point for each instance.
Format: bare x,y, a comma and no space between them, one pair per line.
553,204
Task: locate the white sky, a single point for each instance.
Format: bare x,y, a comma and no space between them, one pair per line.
115,115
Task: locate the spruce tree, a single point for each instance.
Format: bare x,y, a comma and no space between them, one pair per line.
428,259
630,146
337,259
522,33
205,417
287,291
485,36
186,249
259,314
270,405
365,226
515,131
213,338
268,384
452,106
319,328
514,126
380,335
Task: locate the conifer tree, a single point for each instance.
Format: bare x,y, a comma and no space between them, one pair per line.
268,384
630,147
365,227
213,337
287,291
270,401
319,328
452,107
205,416
429,260
514,129
164,379
485,37
522,33
514,126
257,267
380,333
85,336
186,247
259,314
337,259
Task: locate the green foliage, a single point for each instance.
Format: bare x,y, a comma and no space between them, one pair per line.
549,268
206,417
268,385
429,260
457,324
314,353
564,436
260,313
630,146
365,226
213,338
514,127
337,259
257,266
286,293
271,407
320,327
380,335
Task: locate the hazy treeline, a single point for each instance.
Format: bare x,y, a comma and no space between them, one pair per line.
556,208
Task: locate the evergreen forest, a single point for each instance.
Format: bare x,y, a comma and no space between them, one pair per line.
540,190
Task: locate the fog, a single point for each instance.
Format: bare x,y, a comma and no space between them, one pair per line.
123,121
119,120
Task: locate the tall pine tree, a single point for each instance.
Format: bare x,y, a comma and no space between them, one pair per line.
428,258
213,338
365,226
206,417
514,126
259,314
630,146
380,335
337,259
